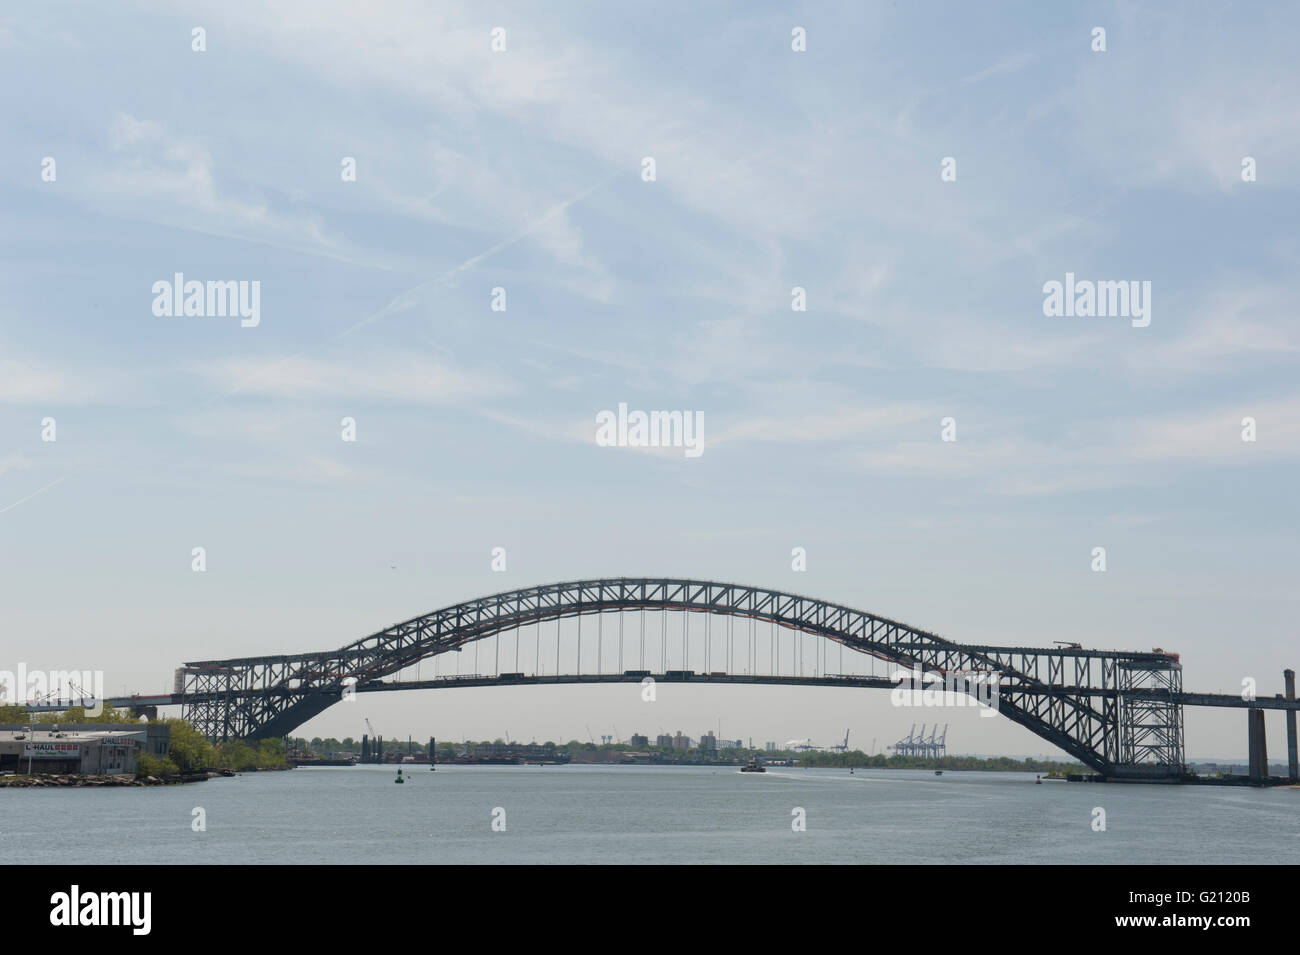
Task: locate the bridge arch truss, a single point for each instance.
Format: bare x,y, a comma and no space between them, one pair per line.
1072,697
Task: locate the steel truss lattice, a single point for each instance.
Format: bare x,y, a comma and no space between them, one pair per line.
1151,737
1068,696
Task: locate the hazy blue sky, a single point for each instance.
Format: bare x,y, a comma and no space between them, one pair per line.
475,428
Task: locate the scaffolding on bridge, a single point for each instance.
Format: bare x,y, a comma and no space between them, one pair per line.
1151,720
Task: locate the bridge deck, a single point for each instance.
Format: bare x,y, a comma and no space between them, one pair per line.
862,682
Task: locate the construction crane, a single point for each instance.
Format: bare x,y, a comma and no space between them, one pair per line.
376,748
842,747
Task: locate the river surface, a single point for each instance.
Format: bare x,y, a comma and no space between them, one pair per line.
646,814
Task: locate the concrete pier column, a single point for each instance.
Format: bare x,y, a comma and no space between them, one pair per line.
1292,763
1256,744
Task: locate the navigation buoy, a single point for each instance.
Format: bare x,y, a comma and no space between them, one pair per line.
399,778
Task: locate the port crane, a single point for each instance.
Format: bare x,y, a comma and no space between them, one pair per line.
842,747
901,747
918,744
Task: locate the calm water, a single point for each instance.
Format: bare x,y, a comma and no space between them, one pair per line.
638,814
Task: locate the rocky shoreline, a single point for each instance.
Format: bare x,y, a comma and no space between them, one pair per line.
78,780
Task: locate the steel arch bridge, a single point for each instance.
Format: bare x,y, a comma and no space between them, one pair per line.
1118,712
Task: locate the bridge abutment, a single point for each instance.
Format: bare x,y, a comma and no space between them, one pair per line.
1293,764
1257,745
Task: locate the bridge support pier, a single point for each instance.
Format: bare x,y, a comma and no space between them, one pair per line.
1293,764
1257,744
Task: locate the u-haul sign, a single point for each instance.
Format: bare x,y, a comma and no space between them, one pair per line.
51,750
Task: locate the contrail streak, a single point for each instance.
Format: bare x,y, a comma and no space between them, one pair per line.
401,302
41,490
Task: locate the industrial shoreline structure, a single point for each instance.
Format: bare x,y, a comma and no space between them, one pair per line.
914,744
1118,712
83,748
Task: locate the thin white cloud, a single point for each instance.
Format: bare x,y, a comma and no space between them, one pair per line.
32,382
379,375
154,174
317,470
14,462
1103,455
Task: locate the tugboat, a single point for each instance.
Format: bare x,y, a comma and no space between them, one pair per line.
753,766
400,778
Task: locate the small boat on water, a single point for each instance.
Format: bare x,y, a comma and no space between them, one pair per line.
938,772
753,766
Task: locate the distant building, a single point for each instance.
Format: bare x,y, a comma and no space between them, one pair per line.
664,740
709,742
98,748
640,741
770,747
681,742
